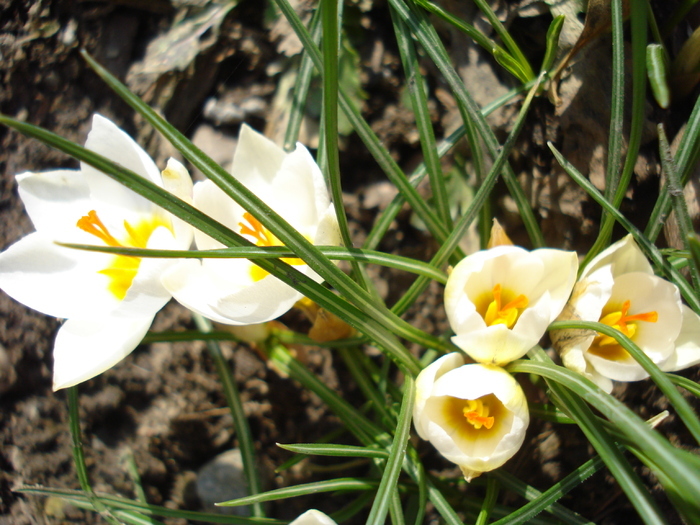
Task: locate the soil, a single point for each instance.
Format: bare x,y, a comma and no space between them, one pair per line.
163,404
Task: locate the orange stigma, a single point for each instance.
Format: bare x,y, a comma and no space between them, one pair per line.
477,414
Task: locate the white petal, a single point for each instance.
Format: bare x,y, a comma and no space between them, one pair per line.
56,281
328,231
425,382
177,180
55,200
211,199
687,351
624,256
85,348
313,517
494,345
256,160
204,291
108,140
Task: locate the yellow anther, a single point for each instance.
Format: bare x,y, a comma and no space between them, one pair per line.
477,414
262,237
92,224
496,313
608,347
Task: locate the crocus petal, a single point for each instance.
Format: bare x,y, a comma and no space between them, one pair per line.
622,257
108,140
425,382
441,420
86,347
313,517
544,277
54,280
52,199
687,351
206,292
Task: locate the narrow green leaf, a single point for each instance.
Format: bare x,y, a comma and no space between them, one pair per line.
116,502
683,408
552,42
508,41
79,457
390,477
334,450
335,485
651,251
417,88
683,220
277,252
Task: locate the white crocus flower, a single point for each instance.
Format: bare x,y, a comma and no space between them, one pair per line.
109,301
500,301
236,291
475,415
313,517
619,288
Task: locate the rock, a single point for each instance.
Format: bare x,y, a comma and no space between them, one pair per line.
223,479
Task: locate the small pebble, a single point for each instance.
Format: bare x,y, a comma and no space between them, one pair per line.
223,479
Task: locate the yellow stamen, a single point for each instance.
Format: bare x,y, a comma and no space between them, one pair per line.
123,268
261,236
92,224
606,346
508,314
477,414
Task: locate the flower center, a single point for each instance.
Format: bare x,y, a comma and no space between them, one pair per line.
261,236
506,314
123,268
606,346
477,414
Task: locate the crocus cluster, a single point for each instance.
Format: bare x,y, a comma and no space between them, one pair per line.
499,303
109,301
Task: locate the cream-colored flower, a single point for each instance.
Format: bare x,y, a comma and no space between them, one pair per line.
475,415
236,291
313,517
500,301
109,301
619,288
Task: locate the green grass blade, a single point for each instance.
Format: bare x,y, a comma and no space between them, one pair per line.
547,501
116,502
552,42
690,385
417,88
467,217
240,422
685,223
681,405
650,443
334,450
428,38
255,253
318,487
390,477
657,71
79,457
301,88
651,251
506,38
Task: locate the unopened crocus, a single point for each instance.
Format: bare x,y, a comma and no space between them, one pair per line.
237,291
500,301
108,301
313,517
475,415
618,288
